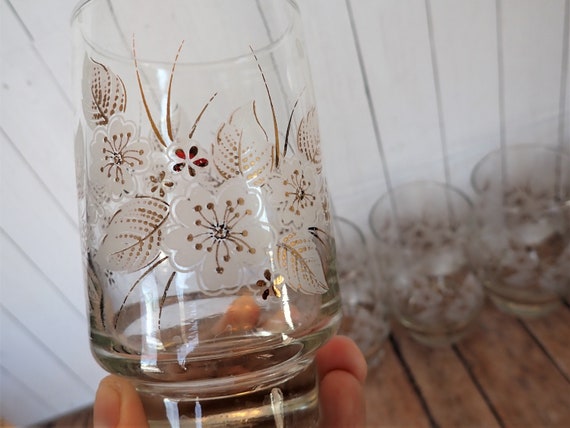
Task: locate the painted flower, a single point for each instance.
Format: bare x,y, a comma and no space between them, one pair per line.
296,193
223,232
269,285
466,299
160,180
184,158
160,183
117,154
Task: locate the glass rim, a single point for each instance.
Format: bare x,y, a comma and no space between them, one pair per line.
245,57
352,225
390,194
522,147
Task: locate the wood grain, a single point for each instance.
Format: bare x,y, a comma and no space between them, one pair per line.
391,399
553,333
520,381
446,385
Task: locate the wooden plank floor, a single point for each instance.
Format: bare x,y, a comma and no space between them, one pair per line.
506,373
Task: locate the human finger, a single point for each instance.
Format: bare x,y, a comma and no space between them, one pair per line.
117,405
342,372
341,398
341,353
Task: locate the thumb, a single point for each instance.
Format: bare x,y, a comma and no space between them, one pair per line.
117,405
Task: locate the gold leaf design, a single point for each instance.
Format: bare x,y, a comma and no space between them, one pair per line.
133,236
299,259
104,93
243,148
308,138
96,299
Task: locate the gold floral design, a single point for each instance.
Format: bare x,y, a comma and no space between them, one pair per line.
243,147
134,235
222,210
160,183
269,284
308,138
104,93
299,260
296,194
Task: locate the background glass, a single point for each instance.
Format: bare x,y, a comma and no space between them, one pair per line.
422,230
207,235
365,311
521,245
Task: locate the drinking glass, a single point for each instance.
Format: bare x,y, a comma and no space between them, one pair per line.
422,230
365,313
521,246
209,252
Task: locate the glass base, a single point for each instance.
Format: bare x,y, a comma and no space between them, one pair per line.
439,337
292,403
525,308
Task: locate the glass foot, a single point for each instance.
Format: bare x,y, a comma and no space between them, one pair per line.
525,309
292,403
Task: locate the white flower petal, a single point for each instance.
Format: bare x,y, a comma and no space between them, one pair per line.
116,155
296,193
224,231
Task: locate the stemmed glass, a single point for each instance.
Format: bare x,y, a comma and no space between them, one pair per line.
209,253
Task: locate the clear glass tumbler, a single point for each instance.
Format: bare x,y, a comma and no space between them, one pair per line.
521,245
365,309
422,229
209,252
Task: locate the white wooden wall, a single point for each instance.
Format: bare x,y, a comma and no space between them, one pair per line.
406,89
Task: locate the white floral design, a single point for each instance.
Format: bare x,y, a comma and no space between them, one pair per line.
244,210
117,154
225,232
296,193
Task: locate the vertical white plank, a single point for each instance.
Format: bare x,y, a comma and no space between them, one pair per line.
566,119
532,32
395,43
465,46
564,124
351,157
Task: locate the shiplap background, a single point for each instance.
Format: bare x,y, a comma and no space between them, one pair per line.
406,90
